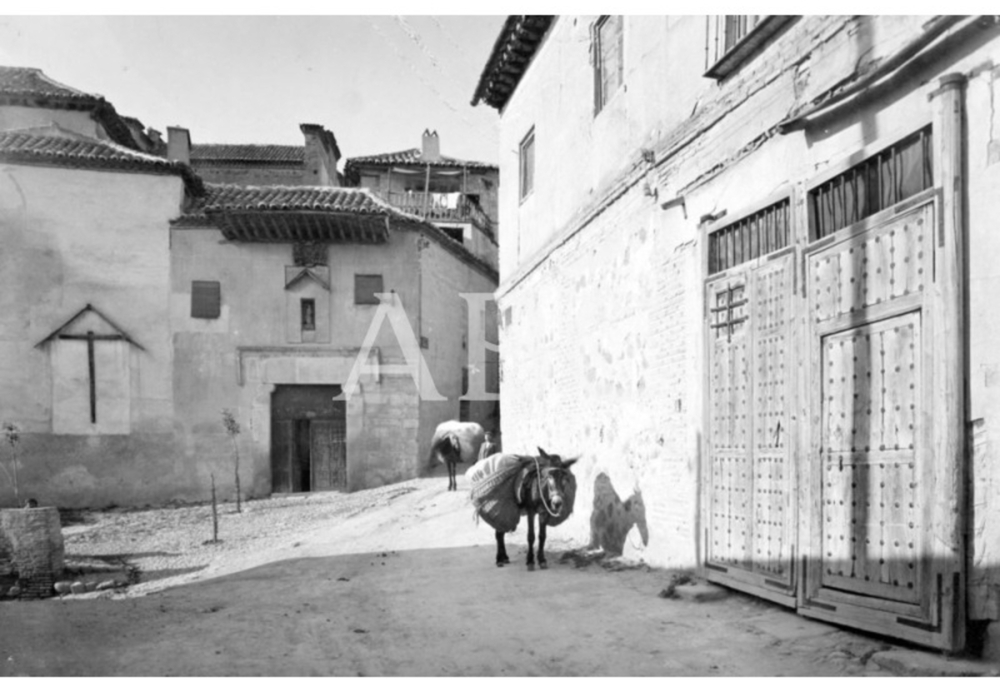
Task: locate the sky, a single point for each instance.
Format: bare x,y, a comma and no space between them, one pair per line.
376,82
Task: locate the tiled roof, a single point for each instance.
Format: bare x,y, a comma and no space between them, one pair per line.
277,213
19,81
240,198
31,87
247,153
512,53
32,148
410,157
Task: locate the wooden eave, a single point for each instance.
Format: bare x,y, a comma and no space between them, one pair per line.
299,226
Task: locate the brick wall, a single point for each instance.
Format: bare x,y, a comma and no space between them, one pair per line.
598,361
33,538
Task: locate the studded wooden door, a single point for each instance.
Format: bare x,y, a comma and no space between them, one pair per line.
873,560
329,453
750,533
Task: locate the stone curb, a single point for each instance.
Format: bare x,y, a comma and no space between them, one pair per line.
926,664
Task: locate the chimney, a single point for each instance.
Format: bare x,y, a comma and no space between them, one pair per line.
321,156
431,147
178,144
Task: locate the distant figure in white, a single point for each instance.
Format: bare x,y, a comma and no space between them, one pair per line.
453,442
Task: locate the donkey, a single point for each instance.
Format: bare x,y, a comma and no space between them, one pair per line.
454,441
545,488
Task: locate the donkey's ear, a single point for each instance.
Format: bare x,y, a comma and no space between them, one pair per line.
542,452
567,463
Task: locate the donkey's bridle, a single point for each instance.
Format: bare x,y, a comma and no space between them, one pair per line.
541,493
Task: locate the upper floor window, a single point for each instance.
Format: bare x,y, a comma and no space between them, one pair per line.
308,317
737,26
206,299
607,59
365,288
733,39
527,160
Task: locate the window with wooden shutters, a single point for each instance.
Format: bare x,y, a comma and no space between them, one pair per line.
206,299
608,63
527,163
880,181
365,288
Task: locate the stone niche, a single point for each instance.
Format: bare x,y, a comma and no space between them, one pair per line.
31,542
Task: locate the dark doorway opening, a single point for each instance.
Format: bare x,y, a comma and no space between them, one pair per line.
308,439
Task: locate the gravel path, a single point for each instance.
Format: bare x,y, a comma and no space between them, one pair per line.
172,546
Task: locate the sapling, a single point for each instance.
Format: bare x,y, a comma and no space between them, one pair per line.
215,515
12,434
233,429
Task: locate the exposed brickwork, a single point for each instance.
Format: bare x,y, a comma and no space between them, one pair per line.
602,287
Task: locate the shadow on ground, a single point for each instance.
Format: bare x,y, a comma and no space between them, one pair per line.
434,612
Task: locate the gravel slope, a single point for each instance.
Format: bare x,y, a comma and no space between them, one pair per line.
171,546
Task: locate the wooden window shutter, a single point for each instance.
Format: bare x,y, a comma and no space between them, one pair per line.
365,288
206,299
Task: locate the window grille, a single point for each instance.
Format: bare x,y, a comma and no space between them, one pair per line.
749,238
206,299
728,314
737,26
365,288
892,175
734,39
608,63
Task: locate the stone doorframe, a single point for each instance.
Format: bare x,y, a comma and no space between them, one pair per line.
260,369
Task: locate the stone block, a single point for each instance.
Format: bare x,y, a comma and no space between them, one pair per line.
35,539
701,592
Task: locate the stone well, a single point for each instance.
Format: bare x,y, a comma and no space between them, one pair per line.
31,540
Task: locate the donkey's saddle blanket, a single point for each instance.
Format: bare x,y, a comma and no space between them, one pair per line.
494,482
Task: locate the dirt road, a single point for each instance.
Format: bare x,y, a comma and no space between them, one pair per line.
408,587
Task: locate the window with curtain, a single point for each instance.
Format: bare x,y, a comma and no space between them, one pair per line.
893,175
749,238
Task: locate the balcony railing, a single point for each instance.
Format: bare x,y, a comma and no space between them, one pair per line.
441,208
